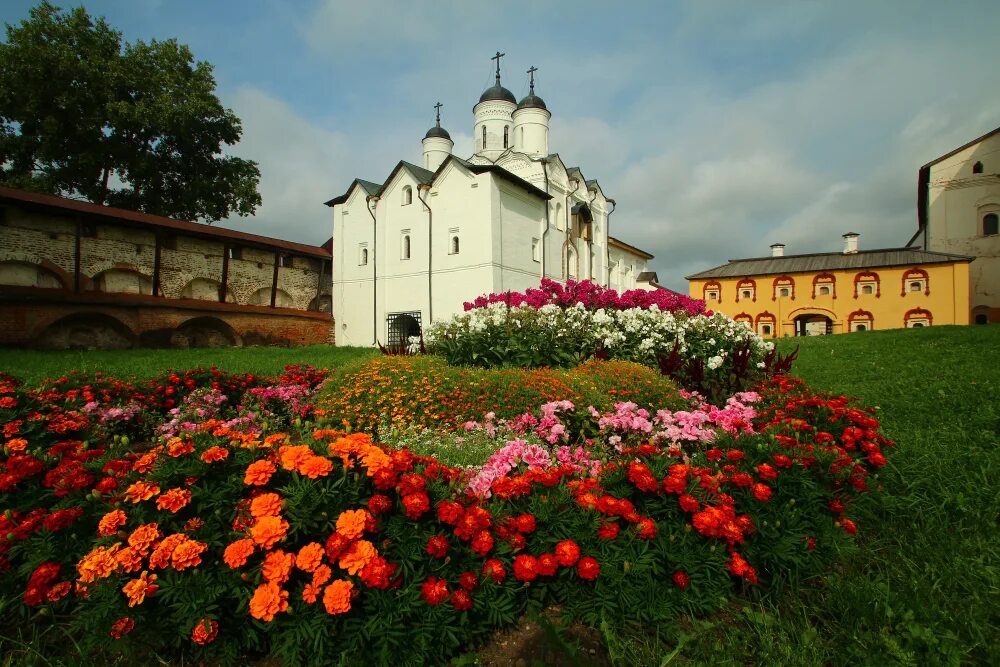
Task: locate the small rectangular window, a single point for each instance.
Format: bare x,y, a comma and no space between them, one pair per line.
712,295
235,252
536,250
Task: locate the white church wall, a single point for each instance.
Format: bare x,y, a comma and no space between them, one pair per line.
352,281
521,216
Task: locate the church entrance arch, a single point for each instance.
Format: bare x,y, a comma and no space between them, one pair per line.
813,324
401,327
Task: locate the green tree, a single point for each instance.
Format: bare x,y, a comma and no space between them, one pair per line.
135,125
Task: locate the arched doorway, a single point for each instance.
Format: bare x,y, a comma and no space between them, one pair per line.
401,327
813,324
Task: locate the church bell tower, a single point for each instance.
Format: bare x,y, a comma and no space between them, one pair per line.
494,127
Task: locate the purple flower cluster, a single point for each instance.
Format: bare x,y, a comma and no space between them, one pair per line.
593,297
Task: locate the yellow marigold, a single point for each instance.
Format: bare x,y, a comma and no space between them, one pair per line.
160,557
137,589
277,566
109,523
337,597
143,537
259,473
100,563
292,456
356,556
266,504
236,554
351,523
321,575
129,559
179,446
268,530
267,601
141,491
315,466
187,554
310,557
173,500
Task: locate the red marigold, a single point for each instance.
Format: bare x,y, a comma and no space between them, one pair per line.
547,565
588,568
213,454
468,581
849,526
525,567
461,600
608,531
647,528
259,473
416,504
377,572
434,591
122,627
681,579
450,512
525,524
337,597
494,569
173,500
782,461
379,504
674,484
205,631
437,546
109,523
767,471
741,479
761,492
334,545
483,543
688,503
567,553
236,554
268,599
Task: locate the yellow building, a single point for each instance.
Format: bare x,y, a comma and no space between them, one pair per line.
801,295
958,207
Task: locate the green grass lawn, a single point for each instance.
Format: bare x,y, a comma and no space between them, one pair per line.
35,365
923,585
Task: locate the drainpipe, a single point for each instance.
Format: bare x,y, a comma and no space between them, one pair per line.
430,246
590,241
566,236
607,241
368,200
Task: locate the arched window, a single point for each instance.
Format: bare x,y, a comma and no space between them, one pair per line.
977,168
712,291
784,288
867,289
454,245
916,281
824,284
406,246
746,289
867,283
407,195
990,224
484,136
364,256
766,325
860,320
918,317
506,128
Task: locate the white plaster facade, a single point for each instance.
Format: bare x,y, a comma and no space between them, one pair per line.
430,238
958,209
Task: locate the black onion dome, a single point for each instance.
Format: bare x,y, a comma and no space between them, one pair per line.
437,132
532,101
497,93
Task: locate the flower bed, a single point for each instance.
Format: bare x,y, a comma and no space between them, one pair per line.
233,540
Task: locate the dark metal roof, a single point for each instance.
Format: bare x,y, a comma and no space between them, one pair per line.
439,132
647,276
148,220
532,101
630,248
372,189
509,177
423,176
497,93
827,261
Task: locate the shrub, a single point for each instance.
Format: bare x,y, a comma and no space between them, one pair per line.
425,392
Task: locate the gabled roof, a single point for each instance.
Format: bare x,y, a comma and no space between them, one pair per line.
129,218
961,148
371,189
828,261
629,248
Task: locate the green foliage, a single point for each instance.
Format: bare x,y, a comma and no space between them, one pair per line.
80,110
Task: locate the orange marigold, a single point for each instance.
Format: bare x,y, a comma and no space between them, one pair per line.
213,454
315,466
187,554
259,473
351,523
179,446
137,589
278,566
143,537
205,631
109,523
98,564
321,575
275,438
311,593
268,530
141,491
173,500
193,524
292,456
266,504
267,601
17,444
122,627
337,597
147,461
129,559
160,557
310,557
356,556
236,554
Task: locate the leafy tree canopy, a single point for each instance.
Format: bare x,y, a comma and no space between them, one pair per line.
135,125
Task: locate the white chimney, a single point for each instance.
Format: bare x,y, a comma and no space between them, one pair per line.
777,250
850,243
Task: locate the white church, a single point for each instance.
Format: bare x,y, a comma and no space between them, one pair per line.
412,249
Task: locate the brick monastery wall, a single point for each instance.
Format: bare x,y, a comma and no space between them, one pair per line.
116,267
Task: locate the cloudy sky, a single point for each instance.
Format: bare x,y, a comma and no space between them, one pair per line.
720,127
